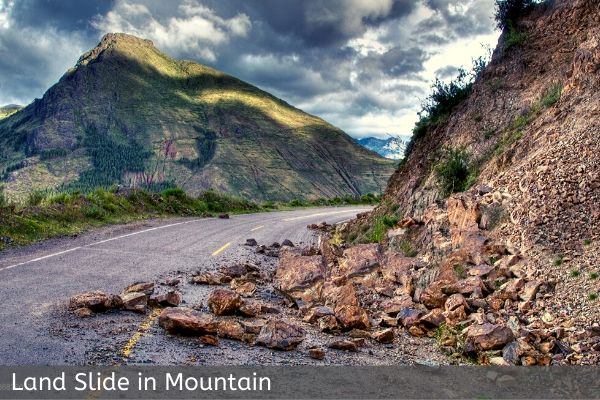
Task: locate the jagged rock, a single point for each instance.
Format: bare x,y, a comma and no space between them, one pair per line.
318,353
455,316
433,296
394,305
251,242
317,312
135,301
223,216
510,290
96,301
328,323
244,288
250,308
287,243
384,336
186,321
352,317
300,277
433,319
173,281
339,296
280,335
345,345
254,326
230,329
360,260
487,337
224,302
141,287
454,301
409,316
499,362
209,340
398,269
170,299
235,270
529,291
209,278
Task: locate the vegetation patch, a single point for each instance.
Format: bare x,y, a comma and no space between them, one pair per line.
455,171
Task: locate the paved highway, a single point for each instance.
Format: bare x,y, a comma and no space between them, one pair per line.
36,281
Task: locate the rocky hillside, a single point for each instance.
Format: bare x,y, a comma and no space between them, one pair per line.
128,114
507,271
392,147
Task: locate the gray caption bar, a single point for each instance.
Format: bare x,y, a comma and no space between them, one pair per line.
304,382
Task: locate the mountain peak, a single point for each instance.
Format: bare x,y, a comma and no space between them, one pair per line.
114,40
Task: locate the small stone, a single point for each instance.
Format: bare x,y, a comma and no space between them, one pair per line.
209,340
384,336
95,301
186,321
318,353
224,216
209,278
83,312
287,243
251,242
230,329
329,324
345,345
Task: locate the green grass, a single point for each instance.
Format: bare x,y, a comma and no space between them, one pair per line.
592,296
593,275
514,38
552,96
408,249
575,273
587,242
460,271
558,261
50,214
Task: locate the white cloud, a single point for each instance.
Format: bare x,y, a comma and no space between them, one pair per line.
5,10
196,30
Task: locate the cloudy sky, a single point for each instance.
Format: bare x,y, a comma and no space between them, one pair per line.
363,65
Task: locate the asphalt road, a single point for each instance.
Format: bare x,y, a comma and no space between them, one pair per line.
38,280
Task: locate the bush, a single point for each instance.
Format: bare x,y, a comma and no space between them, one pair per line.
3,200
508,11
515,38
454,172
552,96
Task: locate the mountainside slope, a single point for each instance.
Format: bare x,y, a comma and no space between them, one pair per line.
127,113
8,110
522,243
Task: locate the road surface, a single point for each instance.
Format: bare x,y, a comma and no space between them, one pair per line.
37,280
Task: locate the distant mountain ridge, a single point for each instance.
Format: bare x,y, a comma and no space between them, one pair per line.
8,110
128,114
392,148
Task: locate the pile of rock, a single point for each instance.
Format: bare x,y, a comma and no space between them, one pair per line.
478,297
236,323
137,297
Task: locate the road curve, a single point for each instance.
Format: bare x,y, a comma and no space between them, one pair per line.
36,280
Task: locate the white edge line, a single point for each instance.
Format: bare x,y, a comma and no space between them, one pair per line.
96,243
321,214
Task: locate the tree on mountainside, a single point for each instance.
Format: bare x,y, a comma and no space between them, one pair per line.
508,11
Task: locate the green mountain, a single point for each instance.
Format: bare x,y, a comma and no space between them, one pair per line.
7,111
128,114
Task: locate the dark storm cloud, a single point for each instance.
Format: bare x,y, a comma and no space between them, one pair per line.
356,62
62,14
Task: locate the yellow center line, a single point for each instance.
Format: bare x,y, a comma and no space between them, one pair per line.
220,250
257,228
144,327
147,324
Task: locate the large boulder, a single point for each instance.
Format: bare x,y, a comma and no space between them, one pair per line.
280,335
224,302
95,301
399,269
360,260
487,337
186,321
299,276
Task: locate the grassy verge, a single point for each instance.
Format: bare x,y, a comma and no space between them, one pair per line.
47,215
